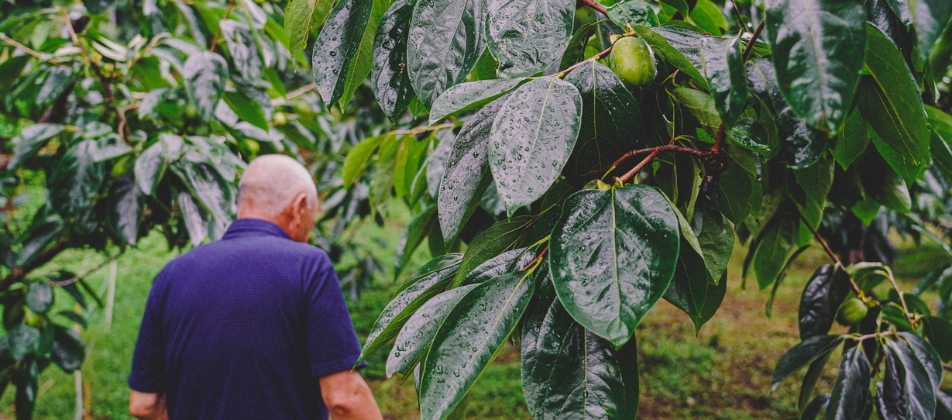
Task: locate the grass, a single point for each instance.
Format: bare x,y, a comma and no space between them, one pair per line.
722,373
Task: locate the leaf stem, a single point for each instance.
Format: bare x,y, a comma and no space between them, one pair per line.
875,335
537,259
753,40
594,4
902,299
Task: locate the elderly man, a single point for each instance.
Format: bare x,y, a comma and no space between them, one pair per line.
252,326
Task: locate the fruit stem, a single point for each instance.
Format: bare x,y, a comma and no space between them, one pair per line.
593,4
595,57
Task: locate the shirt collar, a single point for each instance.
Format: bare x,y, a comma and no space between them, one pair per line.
254,227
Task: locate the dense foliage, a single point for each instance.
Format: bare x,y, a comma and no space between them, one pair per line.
136,117
591,174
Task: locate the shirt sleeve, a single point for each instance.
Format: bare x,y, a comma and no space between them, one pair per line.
148,360
332,344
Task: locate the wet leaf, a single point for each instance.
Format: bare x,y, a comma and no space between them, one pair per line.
804,353
821,297
612,255
851,389
389,77
471,96
205,74
335,50
723,67
528,36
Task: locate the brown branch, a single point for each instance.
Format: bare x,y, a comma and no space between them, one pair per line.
29,51
659,149
594,4
947,367
718,139
826,247
19,273
753,40
595,57
634,171
79,277
231,6
123,129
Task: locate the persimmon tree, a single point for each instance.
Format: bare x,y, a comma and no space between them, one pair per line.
596,158
137,117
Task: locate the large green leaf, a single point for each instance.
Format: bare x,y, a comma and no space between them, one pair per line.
661,46
300,17
817,50
363,60
577,48
446,40
39,296
46,225
75,180
69,350
500,237
700,105
926,355
527,36
26,378
30,140
776,243
851,390
881,183
205,74
22,340
358,156
916,395
150,166
469,339
611,119
429,281
471,96
466,176
804,353
821,297
242,49
246,108
939,332
389,77
632,12
723,67
691,282
532,137
800,144
568,372
417,333
215,194
890,102
931,18
613,254
817,178
852,140
941,144
336,48
733,192
716,238
125,208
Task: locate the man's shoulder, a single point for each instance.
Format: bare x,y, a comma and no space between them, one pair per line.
266,249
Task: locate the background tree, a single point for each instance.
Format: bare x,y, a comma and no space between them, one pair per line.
596,158
137,117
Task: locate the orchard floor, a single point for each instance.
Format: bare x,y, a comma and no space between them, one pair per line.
722,373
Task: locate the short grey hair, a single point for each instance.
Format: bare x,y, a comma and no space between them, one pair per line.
271,183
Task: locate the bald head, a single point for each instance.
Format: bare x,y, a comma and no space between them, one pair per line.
272,182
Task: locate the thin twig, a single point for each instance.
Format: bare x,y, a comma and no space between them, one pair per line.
74,279
594,4
29,51
718,139
902,299
753,40
20,273
121,112
634,171
231,6
421,130
826,247
665,148
595,57
947,367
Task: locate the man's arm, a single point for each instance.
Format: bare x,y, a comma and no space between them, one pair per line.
147,406
348,397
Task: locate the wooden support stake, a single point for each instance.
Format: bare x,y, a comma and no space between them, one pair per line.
110,292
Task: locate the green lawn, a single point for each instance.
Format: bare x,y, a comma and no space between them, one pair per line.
723,373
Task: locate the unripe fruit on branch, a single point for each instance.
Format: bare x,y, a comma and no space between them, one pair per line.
280,118
852,311
633,62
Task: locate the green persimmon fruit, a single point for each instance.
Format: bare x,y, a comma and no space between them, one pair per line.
583,16
280,118
191,111
633,62
852,311
252,145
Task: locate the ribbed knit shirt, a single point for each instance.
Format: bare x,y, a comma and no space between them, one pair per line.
243,327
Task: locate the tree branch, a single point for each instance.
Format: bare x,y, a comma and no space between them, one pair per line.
595,5
29,51
659,149
536,259
76,278
595,57
634,171
231,6
19,273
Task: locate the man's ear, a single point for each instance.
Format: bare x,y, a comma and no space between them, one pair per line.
299,208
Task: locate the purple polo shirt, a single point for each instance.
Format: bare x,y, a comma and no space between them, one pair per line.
241,328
